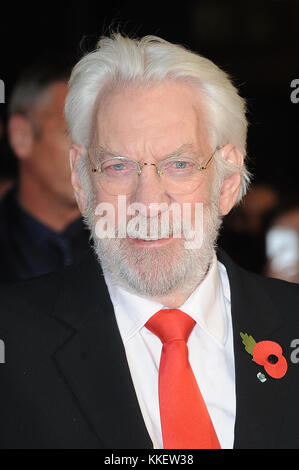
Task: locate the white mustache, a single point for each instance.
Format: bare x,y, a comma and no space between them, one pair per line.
153,228
174,222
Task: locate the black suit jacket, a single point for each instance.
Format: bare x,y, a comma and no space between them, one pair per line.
66,382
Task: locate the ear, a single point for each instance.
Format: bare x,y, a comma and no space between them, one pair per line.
231,185
76,154
20,134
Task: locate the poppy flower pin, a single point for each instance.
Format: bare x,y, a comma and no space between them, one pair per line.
267,354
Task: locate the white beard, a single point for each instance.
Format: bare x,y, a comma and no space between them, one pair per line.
155,272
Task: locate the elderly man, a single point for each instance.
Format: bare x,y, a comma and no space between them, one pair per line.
156,340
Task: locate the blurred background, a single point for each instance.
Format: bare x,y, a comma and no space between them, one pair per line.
256,42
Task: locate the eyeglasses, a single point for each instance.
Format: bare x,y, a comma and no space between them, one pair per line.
179,175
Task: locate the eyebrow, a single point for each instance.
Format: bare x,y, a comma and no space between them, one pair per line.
106,152
181,150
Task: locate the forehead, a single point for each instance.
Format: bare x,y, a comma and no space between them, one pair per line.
138,120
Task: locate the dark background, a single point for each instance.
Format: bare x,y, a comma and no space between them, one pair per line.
256,42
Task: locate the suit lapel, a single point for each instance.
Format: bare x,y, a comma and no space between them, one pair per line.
258,415
93,361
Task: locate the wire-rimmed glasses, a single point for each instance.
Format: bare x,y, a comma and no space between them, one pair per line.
179,174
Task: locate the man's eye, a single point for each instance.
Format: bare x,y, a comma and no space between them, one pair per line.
178,168
118,166
115,168
180,165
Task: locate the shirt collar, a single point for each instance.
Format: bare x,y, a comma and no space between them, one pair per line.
205,305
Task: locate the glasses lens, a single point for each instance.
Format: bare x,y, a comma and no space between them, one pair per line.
180,176
118,176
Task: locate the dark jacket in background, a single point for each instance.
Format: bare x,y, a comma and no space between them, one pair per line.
29,249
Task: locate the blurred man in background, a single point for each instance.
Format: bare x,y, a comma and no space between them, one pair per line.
282,240
41,228
6,180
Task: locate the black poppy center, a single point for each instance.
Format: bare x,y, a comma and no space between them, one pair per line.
272,359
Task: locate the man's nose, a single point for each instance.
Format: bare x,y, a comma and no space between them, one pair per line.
150,189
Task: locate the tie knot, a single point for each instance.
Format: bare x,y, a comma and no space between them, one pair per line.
170,325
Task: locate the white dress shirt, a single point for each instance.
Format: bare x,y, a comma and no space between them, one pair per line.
210,346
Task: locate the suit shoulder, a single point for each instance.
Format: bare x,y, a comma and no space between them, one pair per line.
276,286
37,295
41,294
257,288
284,295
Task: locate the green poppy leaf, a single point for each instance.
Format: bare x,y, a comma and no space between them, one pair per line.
248,342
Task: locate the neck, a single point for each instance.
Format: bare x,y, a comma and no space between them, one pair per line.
39,202
173,301
179,297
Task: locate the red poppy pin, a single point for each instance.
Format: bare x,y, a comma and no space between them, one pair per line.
267,354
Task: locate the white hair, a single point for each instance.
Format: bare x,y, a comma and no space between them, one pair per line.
120,61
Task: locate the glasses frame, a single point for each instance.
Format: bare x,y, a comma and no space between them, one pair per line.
140,166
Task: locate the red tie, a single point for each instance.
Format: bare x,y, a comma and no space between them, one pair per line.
185,420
